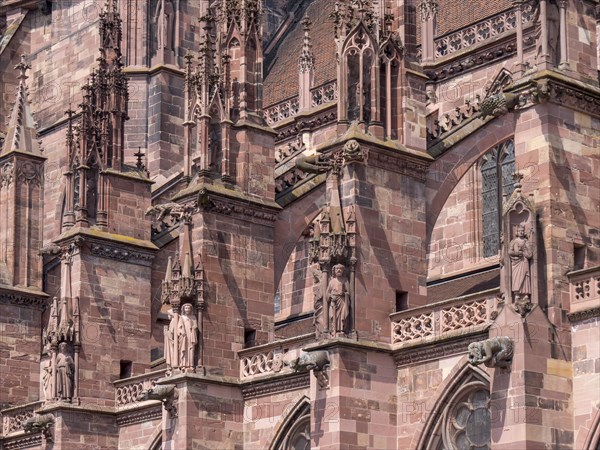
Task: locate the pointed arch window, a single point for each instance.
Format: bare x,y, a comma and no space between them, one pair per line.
295,432
497,169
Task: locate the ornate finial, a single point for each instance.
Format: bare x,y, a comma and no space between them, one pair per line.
517,178
306,23
140,161
428,9
306,61
22,67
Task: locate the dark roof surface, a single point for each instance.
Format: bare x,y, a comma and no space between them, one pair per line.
281,80
466,285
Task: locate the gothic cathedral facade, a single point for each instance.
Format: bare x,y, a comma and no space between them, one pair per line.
296,224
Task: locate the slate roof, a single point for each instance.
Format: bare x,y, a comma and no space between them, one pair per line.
469,284
281,80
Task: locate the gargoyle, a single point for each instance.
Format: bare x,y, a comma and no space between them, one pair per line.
39,423
166,393
313,163
497,105
494,352
317,361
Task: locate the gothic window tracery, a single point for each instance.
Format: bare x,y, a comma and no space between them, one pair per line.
295,432
358,57
497,168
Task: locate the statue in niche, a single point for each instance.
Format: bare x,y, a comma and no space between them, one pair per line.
164,18
553,29
47,381
338,297
170,358
520,254
187,335
318,302
65,372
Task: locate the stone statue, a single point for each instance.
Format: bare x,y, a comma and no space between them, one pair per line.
520,255
494,352
338,298
318,302
164,18
553,31
65,372
187,335
170,358
47,381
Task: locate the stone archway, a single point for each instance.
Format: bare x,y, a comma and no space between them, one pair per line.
462,407
294,432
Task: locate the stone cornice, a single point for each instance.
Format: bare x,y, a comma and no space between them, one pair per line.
436,350
276,384
108,245
221,200
580,316
568,92
22,441
129,417
23,297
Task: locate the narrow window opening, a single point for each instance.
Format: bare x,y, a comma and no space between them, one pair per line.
579,251
249,337
401,301
125,369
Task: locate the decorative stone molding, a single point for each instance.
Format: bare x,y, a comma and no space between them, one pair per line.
15,298
434,351
586,314
139,416
168,215
7,173
105,250
451,121
428,9
437,321
494,352
27,441
233,207
290,382
582,98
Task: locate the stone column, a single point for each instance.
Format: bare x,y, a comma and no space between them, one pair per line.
428,10
564,59
518,5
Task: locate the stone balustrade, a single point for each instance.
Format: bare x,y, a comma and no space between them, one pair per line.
14,418
320,95
127,390
585,289
478,32
271,358
461,315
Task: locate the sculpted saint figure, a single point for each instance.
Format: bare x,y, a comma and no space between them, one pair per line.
520,255
187,335
318,302
65,371
47,381
170,358
338,296
553,30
